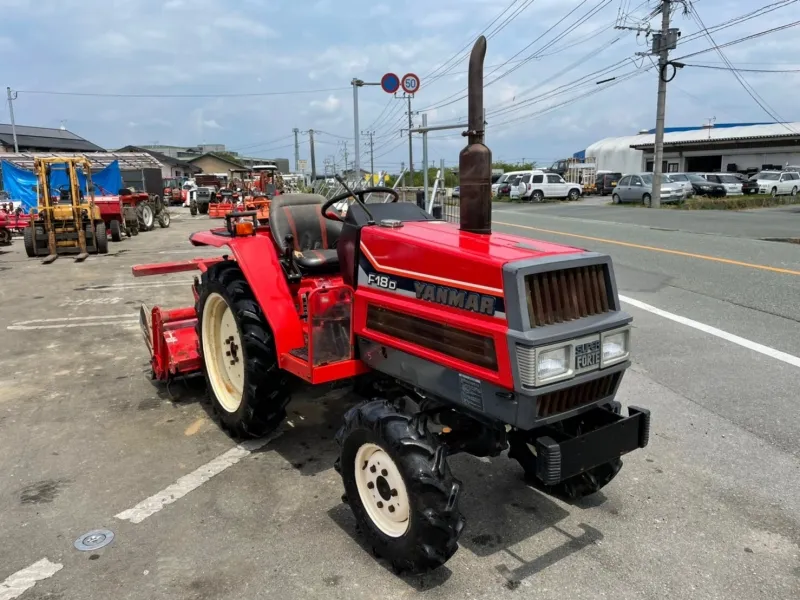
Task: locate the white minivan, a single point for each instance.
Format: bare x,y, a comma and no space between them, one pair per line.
535,186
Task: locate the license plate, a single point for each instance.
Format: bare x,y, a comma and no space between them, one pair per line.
587,355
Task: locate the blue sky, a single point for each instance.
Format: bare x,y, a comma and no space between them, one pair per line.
254,46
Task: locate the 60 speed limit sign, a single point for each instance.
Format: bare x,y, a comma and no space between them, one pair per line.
410,83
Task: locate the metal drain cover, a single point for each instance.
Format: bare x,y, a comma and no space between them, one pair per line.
93,540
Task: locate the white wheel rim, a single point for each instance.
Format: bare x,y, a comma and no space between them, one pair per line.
147,216
382,490
223,352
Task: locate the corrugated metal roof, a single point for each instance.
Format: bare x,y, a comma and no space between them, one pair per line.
713,134
128,161
46,137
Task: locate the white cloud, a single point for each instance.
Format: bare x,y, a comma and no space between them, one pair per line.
330,105
247,25
441,18
211,124
174,4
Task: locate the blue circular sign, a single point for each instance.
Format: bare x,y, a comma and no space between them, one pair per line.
390,83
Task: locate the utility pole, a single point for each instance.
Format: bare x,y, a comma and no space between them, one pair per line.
410,147
371,154
663,41
296,150
357,83
344,152
313,157
11,97
661,104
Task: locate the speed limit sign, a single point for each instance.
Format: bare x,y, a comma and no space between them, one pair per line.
410,83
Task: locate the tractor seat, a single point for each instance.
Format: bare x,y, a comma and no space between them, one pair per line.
314,237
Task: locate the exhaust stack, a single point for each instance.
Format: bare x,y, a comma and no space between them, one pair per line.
475,161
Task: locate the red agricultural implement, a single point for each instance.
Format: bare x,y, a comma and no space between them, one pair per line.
119,217
11,223
460,340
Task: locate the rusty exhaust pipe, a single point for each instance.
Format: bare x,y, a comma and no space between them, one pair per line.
475,161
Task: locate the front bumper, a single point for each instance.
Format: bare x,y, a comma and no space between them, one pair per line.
560,456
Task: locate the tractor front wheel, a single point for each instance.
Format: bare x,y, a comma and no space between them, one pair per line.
203,208
29,239
248,389
5,237
163,219
116,231
399,486
193,208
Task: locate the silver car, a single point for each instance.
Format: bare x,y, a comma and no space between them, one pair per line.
683,179
638,187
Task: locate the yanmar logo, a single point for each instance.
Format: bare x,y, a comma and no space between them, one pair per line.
478,303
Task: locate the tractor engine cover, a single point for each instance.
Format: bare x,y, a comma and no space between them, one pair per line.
478,320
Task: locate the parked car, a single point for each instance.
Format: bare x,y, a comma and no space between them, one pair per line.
514,190
733,187
704,187
683,179
638,187
457,192
606,182
748,186
777,183
538,185
503,181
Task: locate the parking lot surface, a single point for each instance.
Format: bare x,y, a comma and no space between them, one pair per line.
710,509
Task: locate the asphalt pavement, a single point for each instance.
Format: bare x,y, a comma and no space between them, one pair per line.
710,509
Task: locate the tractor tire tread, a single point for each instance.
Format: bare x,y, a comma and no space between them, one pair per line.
435,521
266,386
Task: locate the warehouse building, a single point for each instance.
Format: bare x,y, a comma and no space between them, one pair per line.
742,147
43,139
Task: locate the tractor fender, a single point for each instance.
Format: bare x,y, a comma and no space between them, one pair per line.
258,260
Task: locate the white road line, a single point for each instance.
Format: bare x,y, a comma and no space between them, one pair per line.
21,581
730,337
72,322
192,481
133,285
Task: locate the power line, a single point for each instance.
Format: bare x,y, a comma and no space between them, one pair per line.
739,40
746,86
453,98
721,68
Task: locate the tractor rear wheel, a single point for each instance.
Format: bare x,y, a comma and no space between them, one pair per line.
399,486
28,237
248,390
116,231
144,213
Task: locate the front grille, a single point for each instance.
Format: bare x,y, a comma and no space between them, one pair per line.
554,403
566,294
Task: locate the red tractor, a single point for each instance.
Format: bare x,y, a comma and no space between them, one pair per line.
459,340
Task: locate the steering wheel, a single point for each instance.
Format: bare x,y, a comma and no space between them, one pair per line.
359,197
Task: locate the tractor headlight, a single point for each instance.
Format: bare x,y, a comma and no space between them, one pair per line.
551,364
615,347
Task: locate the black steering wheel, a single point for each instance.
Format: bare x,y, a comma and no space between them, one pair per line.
359,196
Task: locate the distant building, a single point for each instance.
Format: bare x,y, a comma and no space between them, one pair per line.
188,153
44,139
170,167
212,162
722,147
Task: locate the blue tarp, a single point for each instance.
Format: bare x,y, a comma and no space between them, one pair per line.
21,183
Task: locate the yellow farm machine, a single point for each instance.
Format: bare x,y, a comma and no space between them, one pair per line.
66,221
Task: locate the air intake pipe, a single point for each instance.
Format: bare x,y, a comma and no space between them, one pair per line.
475,161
